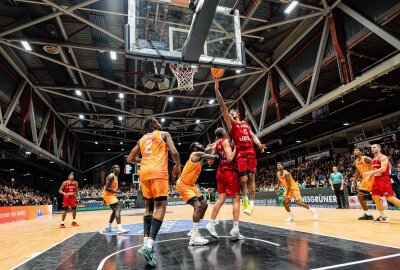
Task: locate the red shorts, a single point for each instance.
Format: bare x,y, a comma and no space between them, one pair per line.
246,160
382,187
228,182
69,202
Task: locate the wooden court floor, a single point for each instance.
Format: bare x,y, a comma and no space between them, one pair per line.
22,240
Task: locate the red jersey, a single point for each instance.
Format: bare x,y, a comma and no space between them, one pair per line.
376,164
240,133
224,165
70,187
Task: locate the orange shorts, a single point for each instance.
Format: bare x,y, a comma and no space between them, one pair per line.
110,199
187,192
152,189
366,184
294,194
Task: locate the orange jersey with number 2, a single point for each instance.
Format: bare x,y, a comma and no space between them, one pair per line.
154,150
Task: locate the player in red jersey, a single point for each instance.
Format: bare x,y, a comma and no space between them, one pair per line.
227,181
382,184
246,159
68,189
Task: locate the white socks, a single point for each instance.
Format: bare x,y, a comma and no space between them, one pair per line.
383,214
119,226
367,213
290,214
251,203
236,224
213,222
195,227
150,243
145,239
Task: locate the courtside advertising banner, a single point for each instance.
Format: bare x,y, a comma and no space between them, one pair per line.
16,213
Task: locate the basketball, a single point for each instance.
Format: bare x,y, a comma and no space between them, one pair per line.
217,72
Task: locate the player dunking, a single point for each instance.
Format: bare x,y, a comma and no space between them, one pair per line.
153,147
186,187
382,185
68,189
246,159
227,181
109,195
363,165
291,191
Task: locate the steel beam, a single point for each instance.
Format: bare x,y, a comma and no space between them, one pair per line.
392,40
325,4
264,106
71,160
13,102
186,109
61,143
372,74
318,61
102,135
247,109
258,60
43,126
291,86
25,105
128,116
46,18
1,117
339,44
79,18
275,92
32,121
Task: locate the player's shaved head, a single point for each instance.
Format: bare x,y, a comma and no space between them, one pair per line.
219,133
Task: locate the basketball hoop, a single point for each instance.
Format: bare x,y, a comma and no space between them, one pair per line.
184,75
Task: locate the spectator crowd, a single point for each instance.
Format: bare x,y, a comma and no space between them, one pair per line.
12,194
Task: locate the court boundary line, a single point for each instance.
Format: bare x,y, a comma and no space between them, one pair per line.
320,234
41,252
101,265
358,262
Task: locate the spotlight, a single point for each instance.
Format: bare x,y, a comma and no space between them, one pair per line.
121,143
78,93
120,118
346,124
197,121
121,95
81,116
211,101
162,120
28,153
170,99
113,55
26,45
96,142
298,141
291,7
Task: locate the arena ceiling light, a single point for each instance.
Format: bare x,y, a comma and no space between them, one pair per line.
268,152
96,142
11,170
197,121
78,93
238,71
81,116
291,7
122,149
120,118
51,162
28,153
162,120
121,143
109,149
211,101
26,45
121,95
298,141
170,99
113,55
346,124
179,143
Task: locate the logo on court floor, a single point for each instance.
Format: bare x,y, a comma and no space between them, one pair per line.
169,226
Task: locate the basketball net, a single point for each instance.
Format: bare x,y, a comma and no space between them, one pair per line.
184,75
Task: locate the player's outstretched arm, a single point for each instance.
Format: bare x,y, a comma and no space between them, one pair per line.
257,142
176,171
197,156
230,155
213,152
133,156
225,113
61,189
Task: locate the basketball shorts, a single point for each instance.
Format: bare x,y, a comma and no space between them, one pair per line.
110,199
294,194
366,184
154,189
69,202
246,160
187,192
228,182
382,187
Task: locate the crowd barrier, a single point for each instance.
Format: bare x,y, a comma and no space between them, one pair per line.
16,213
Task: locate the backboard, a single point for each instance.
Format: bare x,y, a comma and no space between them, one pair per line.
165,31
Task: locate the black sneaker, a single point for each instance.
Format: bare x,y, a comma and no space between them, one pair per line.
381,220
339,207
366,217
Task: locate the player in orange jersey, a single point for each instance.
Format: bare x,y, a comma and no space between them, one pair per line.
69,188
363,165
292,191
186,186
110,192
153,147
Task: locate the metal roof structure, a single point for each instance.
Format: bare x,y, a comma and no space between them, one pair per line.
340,53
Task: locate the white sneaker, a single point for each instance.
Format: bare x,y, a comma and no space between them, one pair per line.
314,213
119,231
190,233
211,229
289,219
197,240
108,229
236,234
